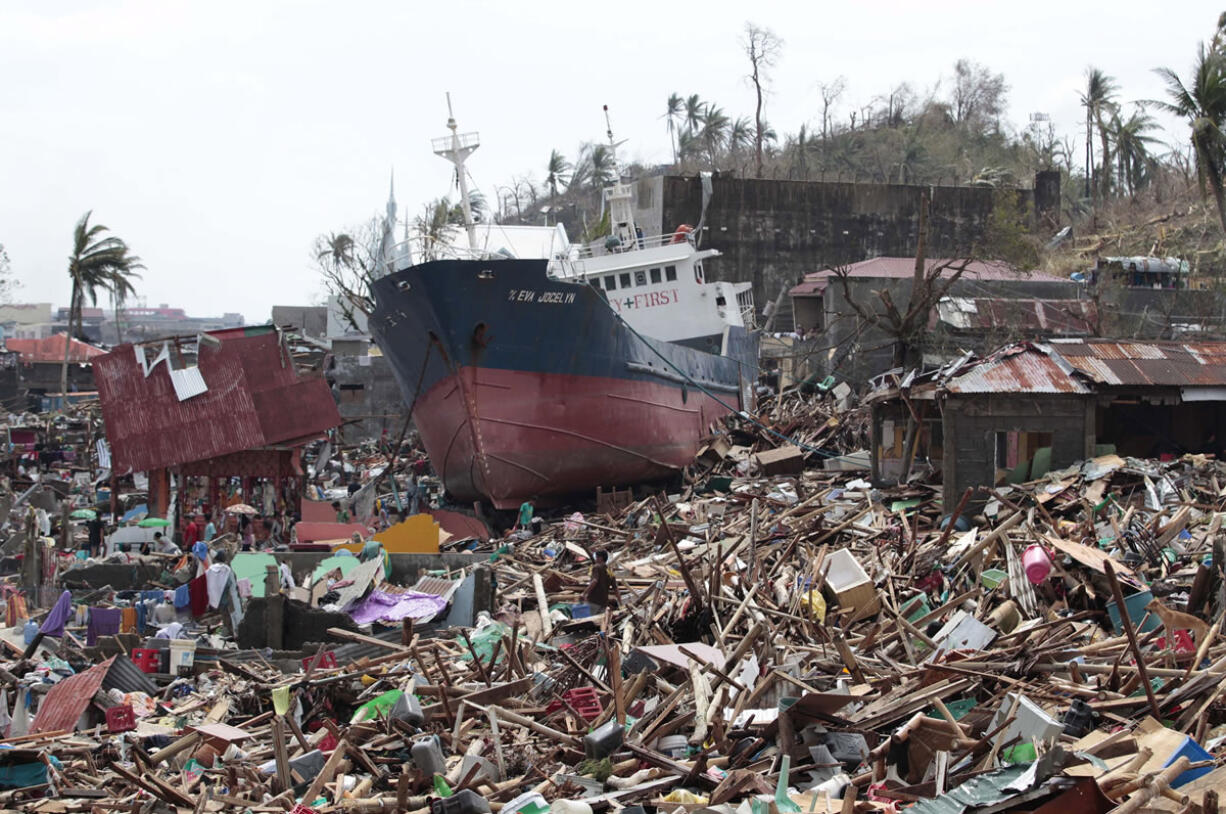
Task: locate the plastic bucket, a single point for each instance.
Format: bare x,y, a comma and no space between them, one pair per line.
1037,564
1143,619
675,746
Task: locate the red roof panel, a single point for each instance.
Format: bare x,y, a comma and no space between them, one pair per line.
51,349
255,398
67,700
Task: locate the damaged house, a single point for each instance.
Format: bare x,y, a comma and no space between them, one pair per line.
1030,408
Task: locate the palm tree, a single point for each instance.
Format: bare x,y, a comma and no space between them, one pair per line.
604,169
1098,100
714,134
1132,144
676,107
556,172
1203,103
337,250
694,108
689,146
740,135
97,262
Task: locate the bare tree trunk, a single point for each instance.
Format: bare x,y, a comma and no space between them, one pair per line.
757,117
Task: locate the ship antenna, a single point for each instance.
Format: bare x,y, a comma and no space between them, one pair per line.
456,148
612,144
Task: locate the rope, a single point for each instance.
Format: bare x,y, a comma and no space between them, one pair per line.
743,413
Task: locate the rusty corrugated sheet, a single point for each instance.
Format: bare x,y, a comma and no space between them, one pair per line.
255,399
1029,371
65,702
1034,316
1138,364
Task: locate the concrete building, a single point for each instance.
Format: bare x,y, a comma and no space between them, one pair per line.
1031,408
308,320
840,341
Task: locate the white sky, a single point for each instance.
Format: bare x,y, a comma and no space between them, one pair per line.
220,138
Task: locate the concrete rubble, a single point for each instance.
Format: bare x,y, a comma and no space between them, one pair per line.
774,634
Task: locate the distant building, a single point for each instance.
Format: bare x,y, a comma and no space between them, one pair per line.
309,320
141,323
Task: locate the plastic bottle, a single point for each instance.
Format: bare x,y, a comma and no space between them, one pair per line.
428,756
29,631
603,741
465,801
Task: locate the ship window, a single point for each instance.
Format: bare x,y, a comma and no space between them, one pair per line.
640,278
670,273
624,279
655,276
610,283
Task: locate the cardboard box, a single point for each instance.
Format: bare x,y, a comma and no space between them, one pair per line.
851,585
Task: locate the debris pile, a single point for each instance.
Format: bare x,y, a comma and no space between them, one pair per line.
797,642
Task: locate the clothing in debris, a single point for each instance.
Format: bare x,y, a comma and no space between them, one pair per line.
53,625
199,588
102,622
216,577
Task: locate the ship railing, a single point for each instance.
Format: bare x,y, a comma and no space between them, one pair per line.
463,140
613,245
422,249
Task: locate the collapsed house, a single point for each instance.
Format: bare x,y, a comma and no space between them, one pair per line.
1030,408
227,404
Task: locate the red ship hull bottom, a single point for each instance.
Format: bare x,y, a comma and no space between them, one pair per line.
510,436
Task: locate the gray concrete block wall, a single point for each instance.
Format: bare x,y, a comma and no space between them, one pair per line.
971,422
772,232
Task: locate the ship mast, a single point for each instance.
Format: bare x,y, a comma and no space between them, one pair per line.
456,148
620,199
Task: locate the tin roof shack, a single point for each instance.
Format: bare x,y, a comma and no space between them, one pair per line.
229,404
39,363
821,309
1030,408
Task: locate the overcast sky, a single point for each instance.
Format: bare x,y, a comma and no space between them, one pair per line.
220,138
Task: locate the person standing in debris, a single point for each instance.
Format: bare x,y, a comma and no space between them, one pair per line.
373,549
210,531
526,510
602,590
248,533
191,534
95,536
342,514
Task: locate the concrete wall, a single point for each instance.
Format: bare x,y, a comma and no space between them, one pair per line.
971,423
772,232
367,397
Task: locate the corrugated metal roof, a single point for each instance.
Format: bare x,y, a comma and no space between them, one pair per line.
1051,317
1024,371
51,349
66,701
255,399
1136,364
127,677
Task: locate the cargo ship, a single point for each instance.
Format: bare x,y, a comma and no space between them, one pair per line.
539,378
